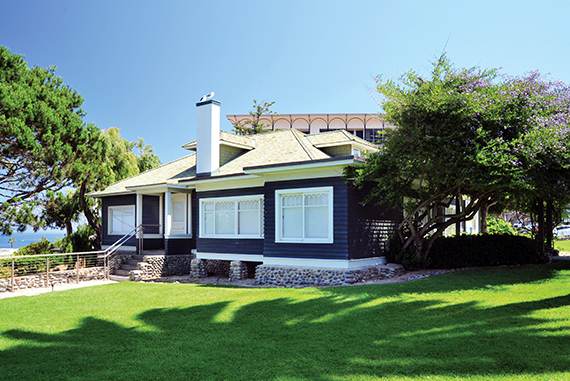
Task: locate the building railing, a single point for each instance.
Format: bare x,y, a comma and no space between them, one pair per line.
54,267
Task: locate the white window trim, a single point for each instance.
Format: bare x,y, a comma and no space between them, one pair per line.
201,217
279,215
110,224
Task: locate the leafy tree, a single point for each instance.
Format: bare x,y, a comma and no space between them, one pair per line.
466,134
60,210
42,136
254,126
114,161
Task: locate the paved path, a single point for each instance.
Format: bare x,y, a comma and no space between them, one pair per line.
57,287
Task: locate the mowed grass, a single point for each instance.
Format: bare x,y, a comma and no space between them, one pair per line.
562,245
482,324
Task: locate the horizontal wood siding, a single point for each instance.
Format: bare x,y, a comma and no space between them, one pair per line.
153,244
336,250
369,225
150,218
224,245
179,246
107,239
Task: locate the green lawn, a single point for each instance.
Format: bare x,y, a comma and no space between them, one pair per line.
490,324
562,245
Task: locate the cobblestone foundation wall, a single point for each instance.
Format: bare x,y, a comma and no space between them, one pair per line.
41,280
238,271
308,276
155,266
217,267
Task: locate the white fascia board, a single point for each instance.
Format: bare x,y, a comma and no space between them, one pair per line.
345,143
156,188
231,257
324,263
296,167
196,182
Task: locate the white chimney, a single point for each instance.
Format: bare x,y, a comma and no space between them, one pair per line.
208,137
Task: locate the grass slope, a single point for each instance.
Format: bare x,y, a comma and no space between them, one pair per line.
488,324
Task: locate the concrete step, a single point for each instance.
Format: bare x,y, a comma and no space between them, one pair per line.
128,267
137,257
122,272
131,262
119,278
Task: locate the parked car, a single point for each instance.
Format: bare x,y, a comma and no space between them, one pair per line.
562,231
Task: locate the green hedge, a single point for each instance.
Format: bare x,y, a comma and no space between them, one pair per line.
468,251
484,250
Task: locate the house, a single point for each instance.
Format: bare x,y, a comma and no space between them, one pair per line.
276,201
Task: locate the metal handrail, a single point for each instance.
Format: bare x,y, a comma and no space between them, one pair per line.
101,254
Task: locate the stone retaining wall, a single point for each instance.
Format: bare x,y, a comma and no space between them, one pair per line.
155,266
309,276
55,278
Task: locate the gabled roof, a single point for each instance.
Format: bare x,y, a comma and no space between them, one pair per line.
281,147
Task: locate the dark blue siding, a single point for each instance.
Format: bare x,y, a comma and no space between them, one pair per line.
226,246
114,201
369,225
336,250
179,246
151,211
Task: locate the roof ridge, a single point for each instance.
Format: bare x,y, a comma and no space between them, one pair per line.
301,143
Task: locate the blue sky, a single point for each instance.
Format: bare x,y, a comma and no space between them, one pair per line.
142,65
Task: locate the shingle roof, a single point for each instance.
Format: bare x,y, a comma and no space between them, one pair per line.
278,147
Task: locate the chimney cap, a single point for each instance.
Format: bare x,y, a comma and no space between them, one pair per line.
209,101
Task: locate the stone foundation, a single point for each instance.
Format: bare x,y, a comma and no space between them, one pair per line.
198,268
309,276
55,278
156,266
238,271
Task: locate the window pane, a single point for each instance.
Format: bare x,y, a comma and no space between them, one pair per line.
178,211
209,223
316,222
249,217
225,217
292,223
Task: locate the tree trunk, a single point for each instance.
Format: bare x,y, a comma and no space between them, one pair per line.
540,218
484,210
92,220
69,228
549,219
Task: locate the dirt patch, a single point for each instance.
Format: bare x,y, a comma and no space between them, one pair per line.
224,281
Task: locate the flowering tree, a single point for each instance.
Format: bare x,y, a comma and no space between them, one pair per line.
466,134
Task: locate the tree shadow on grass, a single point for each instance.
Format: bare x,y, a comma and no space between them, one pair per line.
464,280
325,338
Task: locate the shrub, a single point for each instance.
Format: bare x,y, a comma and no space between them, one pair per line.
484,250
42,247
77,242
408,258
498,226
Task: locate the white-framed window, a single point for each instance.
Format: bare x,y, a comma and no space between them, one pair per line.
181,223
304,215
121,219
232,217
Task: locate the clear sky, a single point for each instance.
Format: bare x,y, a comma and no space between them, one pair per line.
142,65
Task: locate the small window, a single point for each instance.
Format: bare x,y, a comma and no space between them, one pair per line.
304,215
181,214
121,219
240,217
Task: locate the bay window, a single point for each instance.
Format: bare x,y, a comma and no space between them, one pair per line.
304,215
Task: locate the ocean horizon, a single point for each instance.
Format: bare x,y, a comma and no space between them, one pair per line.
25,238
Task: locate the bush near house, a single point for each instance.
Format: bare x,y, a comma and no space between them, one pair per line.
469,251
484,250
